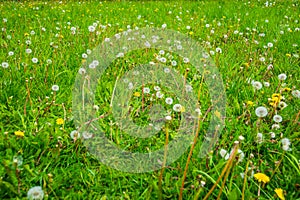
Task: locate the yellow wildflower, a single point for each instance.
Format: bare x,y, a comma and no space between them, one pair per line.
288,55
19,133
137,94
59,121
286,89
250,103
261,177
191,32
279,193
182,109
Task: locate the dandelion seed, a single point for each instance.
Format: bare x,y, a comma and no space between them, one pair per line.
35,193
277,118
262,59
173,63
266,84
186,60
159,95
261,111
55,88
163,60
11,53
161,52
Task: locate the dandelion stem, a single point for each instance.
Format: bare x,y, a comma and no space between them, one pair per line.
223,172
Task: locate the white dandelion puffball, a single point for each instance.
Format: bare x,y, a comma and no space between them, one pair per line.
277,118
74,134
261,111
86,135
177,107
159,95
55,88
5,65
168,118
296,93
223,153
34,60
35,193
146,90
282,77
259,137
169,100
257,85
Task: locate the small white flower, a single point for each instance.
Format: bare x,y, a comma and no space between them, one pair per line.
218,50
29,51
18,160
11,53
55,88
88,51
163,60
277,118
161,52
177,107
169,100
35,193
261,111
49,61
296,93
282,77
164,26
262,59
241,138
5,65
34,60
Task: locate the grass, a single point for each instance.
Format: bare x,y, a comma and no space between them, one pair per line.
257,43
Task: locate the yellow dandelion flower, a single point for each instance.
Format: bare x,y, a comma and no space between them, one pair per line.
286,89
261,177
288,55
137,94
19,133
191,32
246,64
59,121
182,109
26,34
279,193
250,103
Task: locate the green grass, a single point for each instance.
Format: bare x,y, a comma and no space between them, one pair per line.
64,167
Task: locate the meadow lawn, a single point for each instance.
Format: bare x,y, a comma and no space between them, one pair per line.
254,45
